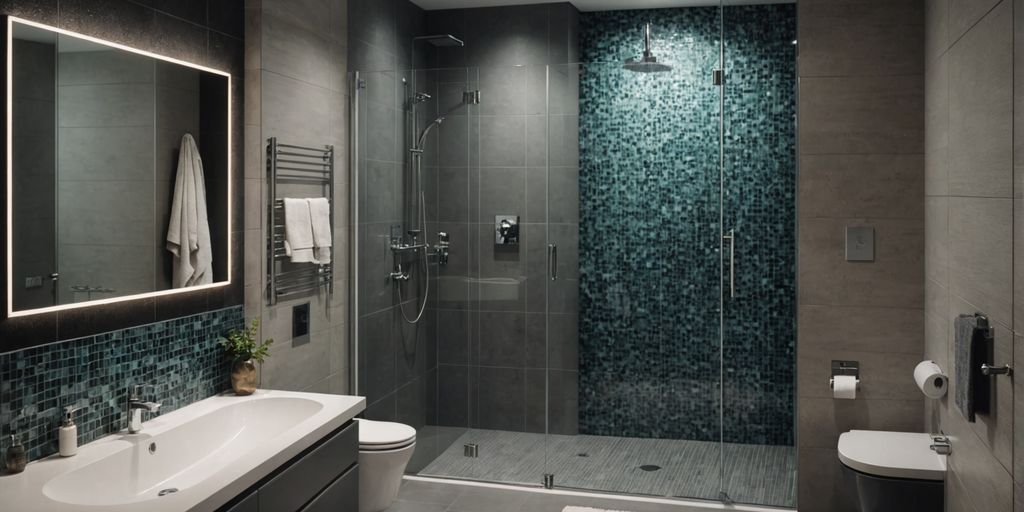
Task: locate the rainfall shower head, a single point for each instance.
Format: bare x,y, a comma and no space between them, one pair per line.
441,40
648,63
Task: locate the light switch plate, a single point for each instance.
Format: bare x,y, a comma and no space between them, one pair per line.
860,243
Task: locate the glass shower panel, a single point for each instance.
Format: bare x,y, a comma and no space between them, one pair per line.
450,152
634,292
759,195
414,373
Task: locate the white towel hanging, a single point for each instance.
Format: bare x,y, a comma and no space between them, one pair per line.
320,217
298,231
188,233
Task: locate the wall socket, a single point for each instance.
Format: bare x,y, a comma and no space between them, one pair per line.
34,282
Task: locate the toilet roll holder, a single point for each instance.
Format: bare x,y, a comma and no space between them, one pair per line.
844,368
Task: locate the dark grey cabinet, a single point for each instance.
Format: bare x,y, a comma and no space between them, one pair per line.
324,477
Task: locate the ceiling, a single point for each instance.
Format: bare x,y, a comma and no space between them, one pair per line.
586,5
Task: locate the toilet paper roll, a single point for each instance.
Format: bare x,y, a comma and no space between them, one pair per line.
930,379
844,387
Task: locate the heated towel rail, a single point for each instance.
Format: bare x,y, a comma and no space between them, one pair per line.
299,166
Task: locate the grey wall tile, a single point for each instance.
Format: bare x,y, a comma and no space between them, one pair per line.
502,398
502,339
822,420
964,14
841,114
894,279
503,141
859,328
890,186
874,43
293,51
983,278
936,20
936,139
980,108
936,256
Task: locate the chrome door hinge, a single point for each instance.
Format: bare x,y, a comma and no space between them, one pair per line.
717,76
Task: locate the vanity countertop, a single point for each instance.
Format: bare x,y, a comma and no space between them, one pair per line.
208,452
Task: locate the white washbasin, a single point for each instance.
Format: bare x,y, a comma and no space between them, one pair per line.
207,452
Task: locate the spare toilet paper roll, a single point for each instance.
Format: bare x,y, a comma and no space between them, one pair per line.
930,379
844,386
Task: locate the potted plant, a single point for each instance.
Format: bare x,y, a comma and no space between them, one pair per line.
245,352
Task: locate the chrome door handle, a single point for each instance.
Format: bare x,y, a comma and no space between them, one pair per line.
731,237
553,262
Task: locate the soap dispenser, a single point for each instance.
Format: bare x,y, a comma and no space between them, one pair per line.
68,445
16,458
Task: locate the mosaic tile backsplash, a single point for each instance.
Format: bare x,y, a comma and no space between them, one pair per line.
652,362
180,358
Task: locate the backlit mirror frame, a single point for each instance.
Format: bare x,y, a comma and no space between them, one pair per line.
9,201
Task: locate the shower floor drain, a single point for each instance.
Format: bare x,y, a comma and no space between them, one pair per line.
650,467
583,455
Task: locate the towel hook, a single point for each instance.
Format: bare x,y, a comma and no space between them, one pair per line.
996,370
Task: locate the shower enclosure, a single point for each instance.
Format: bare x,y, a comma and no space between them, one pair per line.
604,254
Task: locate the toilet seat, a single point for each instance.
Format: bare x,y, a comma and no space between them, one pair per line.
378,436
892,454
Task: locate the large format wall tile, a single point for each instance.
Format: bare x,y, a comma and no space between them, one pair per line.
981,254
877,186
894,279
981,108
843,115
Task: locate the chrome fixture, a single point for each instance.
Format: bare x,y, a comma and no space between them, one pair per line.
845,368
996,370
416,206
731,239
440,40
648,63
941,445
443,240
553,262
506,230
135,407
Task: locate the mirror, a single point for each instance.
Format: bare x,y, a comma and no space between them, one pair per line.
118,172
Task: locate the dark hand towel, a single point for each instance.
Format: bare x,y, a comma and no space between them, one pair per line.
972,344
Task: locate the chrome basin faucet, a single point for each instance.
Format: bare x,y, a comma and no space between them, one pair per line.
135,408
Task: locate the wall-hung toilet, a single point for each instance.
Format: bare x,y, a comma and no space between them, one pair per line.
384,451
893,471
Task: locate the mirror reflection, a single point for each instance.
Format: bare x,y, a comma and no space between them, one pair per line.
119,172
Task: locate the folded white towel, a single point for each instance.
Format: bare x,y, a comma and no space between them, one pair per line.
320,216
298,231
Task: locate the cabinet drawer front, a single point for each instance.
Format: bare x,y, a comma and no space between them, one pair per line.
341,496
309,475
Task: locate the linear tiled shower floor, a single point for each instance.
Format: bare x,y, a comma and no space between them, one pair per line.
756,474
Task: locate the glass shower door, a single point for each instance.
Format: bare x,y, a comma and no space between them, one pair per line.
634,278
759,206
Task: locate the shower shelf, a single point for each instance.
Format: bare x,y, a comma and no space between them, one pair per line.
300,165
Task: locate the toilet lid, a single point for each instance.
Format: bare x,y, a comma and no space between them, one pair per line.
892,454
380,434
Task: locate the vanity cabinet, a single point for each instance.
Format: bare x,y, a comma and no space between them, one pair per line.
324,477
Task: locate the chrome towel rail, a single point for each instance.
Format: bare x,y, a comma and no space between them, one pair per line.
302,165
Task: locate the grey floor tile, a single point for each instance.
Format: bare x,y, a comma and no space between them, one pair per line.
429,492
484,499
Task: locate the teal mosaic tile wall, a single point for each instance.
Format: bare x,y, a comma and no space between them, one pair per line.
650,200
180,358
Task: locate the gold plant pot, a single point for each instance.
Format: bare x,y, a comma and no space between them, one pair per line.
243,377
